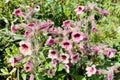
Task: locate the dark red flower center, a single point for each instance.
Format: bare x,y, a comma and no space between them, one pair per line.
18,11
92,69
75,57
31,25
64,57
51,41
27,67
80,8
24,46
77,35
53,52
66,43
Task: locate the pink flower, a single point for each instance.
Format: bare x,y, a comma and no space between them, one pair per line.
55,62
79,9
31,77
64,58
91,70
27,66
67,68
74,58
105,12
66,23
110,53
50,41
95,48
26,33
53,54
14,28
67,44
77,36
25,48
52,30
46,24
17,12
51,72
31,26
93,26
14,60
85,37
110,75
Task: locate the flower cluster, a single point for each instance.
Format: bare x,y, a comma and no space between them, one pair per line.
65,45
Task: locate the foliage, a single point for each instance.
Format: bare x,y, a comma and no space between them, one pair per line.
57,11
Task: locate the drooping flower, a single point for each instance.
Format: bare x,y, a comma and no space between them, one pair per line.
55,62
50,41
67,23
91,70
14,60
77,36
85,37
53,54
79,9
26,33
31,26
110,53
95,48
27,66
14,28
64,58
17,12
105,12
31,77
25,48
67,68
50,72
46,24
93,28
67,44
110,75
74,58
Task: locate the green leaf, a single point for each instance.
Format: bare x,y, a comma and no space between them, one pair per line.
18,37
79,77
4,71
60,67
101,56
39,76
12,71
24,76
8,51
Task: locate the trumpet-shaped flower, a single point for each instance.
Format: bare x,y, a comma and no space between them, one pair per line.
27,66
74,58
79,9
50,41
17,12
55,62
53,54
66,23
14,28
77,36
14,60
64,58
91,70
25,48
66,44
